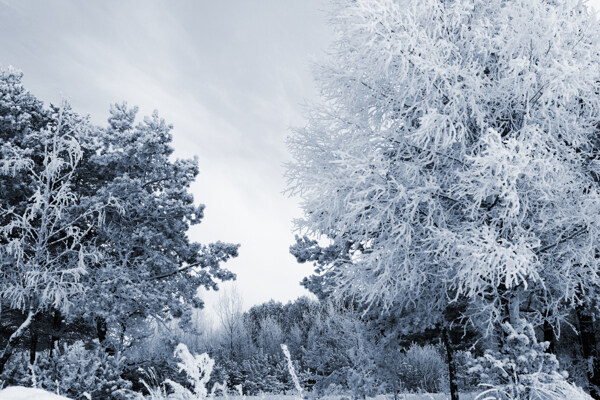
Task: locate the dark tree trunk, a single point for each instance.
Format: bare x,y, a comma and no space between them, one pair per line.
451,366
549,337
32,346
505,316
56,326
587,335
14,339
122,336
101,328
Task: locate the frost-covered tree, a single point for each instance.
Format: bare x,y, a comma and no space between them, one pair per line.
229,313
270,336
454,155
43,252
150,268
94,220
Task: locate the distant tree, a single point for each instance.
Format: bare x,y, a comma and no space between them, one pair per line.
270,337
254,317
455,156
229,313
337,353
300,316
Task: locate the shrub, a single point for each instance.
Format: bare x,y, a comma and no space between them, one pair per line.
74,370
423,369
522,369
198,368
14,374
264,374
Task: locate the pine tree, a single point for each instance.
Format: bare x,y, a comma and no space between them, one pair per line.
95,220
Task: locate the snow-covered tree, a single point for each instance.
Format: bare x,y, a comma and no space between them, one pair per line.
270,336
455,155
151,268
229,312
94,221
43,253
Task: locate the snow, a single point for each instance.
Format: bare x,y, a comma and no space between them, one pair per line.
23,393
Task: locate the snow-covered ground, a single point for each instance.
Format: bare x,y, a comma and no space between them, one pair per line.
23,393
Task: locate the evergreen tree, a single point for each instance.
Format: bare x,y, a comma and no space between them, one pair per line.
95,221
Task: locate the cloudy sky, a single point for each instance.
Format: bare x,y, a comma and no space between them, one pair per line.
231,76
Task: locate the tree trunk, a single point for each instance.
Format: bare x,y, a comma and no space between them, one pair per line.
549,337
510,312
14,339
122,336
56,326
451,366
32,346
514,310
587,335
101,329
507,304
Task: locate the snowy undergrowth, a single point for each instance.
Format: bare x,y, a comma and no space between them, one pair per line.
523,370
199,368
539,386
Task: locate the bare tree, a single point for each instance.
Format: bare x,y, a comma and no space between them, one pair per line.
229,310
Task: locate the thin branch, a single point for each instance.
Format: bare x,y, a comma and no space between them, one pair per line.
175,272
154,181
573,235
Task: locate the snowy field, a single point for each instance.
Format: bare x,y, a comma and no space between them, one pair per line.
22,393
404,396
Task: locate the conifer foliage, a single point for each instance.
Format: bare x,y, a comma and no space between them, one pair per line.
94,220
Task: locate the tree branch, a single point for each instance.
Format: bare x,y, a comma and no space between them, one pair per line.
175,272
573,235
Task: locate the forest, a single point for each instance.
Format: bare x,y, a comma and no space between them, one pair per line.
449,183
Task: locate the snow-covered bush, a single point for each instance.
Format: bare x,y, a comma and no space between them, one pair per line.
198,368
73,370
423,369
264,374
540,387
465,379
361,385
14,374
522,369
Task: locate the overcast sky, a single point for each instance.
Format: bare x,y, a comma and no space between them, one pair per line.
231,76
